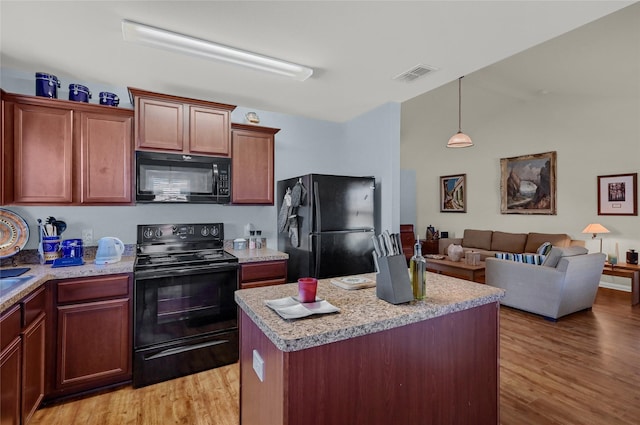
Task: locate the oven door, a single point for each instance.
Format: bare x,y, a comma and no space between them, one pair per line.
184,303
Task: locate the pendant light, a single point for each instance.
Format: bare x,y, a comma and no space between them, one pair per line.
459,140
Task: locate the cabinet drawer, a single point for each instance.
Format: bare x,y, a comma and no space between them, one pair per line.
9,326
86,289
259,283
263,270
34,305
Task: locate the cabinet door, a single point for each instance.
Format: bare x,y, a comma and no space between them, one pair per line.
93,344
252,162
43,154
106,158
208,131
10,366
33,367
10,371
159,125
6,153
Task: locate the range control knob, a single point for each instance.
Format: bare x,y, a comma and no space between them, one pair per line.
158,233
148,233
204,231
215,231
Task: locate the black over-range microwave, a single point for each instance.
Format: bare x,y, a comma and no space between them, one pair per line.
178,178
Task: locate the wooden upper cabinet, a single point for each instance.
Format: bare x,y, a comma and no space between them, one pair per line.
159,124
252,164
6,151
181,125
43,154
209,131
66,153
106,158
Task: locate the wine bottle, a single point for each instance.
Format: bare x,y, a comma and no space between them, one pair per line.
418,270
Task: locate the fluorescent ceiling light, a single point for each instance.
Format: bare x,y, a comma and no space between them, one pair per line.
157,37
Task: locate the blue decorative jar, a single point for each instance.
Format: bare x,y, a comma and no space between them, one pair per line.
110,99
47,85
79,93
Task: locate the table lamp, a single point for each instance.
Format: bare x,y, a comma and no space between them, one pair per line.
596,228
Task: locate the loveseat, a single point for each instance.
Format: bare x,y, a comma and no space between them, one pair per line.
567,281
490,242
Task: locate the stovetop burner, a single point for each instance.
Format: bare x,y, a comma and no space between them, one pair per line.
180,245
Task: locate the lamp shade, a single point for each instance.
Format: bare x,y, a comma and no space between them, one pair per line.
595,228
459,140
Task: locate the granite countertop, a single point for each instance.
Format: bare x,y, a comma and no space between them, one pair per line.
361,311
255,255
41,273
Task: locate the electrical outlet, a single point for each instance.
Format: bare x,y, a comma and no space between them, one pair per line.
87,236
258,365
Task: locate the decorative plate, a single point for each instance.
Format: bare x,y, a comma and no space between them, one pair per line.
14,233
434,257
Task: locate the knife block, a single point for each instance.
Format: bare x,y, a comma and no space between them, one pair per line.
392,281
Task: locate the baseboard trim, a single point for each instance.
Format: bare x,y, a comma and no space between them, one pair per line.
616,286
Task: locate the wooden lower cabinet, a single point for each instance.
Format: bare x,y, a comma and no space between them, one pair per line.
33,372
263,273
22,365
443,370
91,343
10,366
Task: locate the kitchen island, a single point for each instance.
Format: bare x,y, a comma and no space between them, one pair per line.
429,362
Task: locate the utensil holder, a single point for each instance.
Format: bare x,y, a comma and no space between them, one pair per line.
51,248
392,282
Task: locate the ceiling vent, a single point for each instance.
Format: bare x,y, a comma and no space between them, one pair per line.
414,73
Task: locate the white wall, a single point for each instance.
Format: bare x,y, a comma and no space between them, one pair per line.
303,146
372,148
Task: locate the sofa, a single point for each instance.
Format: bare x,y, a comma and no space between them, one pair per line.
490,242
565,283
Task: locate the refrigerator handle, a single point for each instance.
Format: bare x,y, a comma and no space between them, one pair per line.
316,248
316,196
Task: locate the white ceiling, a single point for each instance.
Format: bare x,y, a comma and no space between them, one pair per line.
355,48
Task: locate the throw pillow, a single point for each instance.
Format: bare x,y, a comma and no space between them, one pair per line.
556,253
535,259
544,249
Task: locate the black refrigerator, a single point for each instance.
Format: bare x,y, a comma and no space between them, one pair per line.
330,225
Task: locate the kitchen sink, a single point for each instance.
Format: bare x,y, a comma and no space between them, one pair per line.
10,283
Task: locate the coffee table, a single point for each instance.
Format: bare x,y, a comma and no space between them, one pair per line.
457,269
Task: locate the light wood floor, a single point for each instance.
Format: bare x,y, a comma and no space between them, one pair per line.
582,370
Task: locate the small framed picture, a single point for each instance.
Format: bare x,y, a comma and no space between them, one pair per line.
453,193
618,194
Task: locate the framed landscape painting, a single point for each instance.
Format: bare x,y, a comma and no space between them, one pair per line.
453,193
618,194
528,184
